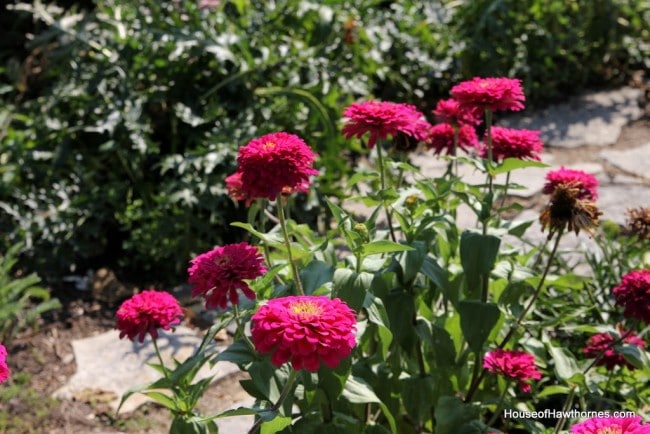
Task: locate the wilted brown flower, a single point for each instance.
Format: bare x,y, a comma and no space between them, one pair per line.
638,222
566,210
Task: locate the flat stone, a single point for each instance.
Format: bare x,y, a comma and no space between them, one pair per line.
591,119
615,200
108,366
634,161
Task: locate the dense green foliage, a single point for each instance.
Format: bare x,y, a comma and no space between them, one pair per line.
121,120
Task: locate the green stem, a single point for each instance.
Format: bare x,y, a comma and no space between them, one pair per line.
565,408
162,364
283,395
505,190
240,329
497,411
287,241
382,179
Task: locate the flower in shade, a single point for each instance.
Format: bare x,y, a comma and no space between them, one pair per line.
611,425
4,369
272,164
633,293
441,138
147,312
218,274
513,143
490,93
638,222
586,182
235,187
305,330
382,119
449,111
565,209
512,364
602,346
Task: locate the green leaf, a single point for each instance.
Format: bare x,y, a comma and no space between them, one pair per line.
401,313
383,246
439,341
162,399
275,425
510,164
316,274
352,287
377,315
412,261
238,352
554,389
478,253
566,366
454,416
477,320
269,239
417,396
357,391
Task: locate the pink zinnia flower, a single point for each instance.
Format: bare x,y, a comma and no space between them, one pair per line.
305,330
219,273
383,119
611,425
4,369
490,93
600,342
272,164
513,364
512,143
235,188
441,138
633,293
449,111
146,312
586,182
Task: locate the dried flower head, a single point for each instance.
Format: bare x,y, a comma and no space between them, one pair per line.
441,138
611,425
448,111
513,364
218,274
490,93
147,312
382,119
4,368
305,330
566,210
513,143
586,182
638,222
602,346
633,293
272,164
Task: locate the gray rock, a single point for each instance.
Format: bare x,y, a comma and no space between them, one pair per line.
615,200
237,424
593,119
634,161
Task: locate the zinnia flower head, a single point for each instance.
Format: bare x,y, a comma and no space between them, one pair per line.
235,188
305,330
638,222
382,119
611,425
512,364
441,138
633,293
272,164
219,273
586,182
513,143
4,369
147,312
601,345
490,93
566,210
449,111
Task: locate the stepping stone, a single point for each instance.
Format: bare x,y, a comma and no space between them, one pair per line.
108,366
634,161
592,119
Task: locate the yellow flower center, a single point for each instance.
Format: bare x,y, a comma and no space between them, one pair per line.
268,145
306,308
610,430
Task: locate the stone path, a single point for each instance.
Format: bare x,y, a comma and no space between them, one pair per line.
592,123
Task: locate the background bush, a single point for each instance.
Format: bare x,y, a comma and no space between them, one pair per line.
121,119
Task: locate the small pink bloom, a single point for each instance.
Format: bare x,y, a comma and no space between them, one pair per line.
235,188
272,164
449,111
600,342
383,119
4,368
512,143
146,312
441,138
611,425
586,182
305,330
219,273
512,364
490,93
633,293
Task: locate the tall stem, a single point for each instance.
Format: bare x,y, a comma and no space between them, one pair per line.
505,190
287,241
382,179
283,395
240,329
488,130
162,364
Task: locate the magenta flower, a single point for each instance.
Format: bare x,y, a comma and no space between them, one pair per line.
383,119
512,364
219,273
306,330
633,293
512,143
610,358
147,312
441,138
586,182
490,93
272,164
449,111
4,368
611,425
